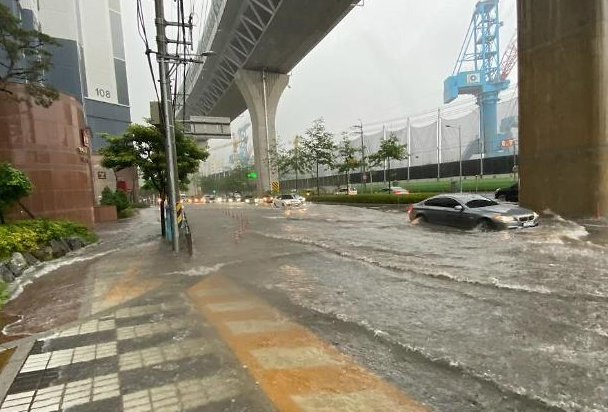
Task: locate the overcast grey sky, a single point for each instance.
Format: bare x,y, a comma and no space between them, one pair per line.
385,60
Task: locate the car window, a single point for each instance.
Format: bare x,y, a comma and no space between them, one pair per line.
437,202
450,203
473,204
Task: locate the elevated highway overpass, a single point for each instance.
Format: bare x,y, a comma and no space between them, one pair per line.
256,44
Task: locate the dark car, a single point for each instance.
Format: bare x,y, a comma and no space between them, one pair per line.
471,211
509,194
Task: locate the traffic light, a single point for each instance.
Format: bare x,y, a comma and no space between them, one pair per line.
252,175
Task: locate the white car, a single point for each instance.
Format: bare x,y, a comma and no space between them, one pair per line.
345,191
286,201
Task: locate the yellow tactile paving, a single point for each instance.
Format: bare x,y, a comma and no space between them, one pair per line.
296,369
129,285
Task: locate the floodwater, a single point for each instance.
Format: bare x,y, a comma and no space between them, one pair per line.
525,310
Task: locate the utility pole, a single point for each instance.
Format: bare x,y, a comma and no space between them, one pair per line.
168,121
363,176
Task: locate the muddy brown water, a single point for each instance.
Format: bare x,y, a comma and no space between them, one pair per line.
48,302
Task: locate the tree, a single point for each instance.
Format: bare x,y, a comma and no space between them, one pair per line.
318,147
347,159
292,160
390,149
25,59
14,185
143,146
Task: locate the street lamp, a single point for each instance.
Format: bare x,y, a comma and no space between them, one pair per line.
459,150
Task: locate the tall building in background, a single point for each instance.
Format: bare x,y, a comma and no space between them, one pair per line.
89,62
90,72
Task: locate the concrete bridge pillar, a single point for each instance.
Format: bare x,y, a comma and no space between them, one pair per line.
262,91
563,89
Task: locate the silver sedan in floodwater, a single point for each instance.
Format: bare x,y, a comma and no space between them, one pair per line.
471,211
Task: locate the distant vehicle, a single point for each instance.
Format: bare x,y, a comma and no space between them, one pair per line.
267,199
249,200
509,194
471,211
395,190
346,191
286,201
209,198
237,197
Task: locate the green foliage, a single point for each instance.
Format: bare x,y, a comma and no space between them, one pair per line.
390,149
121,201
143,146
117,198
25,59
28,235
318,147
235,180
14,185
126,213
3,293
292,160
107,197
379,199
346,157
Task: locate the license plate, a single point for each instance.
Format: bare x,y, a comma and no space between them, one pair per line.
529,224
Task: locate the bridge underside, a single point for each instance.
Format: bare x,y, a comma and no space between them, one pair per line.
288,35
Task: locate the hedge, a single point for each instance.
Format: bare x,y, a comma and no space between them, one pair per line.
379,199
28,235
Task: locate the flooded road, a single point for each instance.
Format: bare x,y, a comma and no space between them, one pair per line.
525,311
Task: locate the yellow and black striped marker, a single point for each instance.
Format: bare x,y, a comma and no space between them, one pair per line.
180,214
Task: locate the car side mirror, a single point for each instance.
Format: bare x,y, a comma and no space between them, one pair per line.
458,208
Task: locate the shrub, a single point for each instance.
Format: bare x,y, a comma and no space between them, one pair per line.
3,293
28,235
379,199
123,214
117,198
14,185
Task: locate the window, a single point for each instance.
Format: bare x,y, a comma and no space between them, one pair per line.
437,202
446,202
474,204
450,203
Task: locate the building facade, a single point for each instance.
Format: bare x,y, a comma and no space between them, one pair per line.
89,70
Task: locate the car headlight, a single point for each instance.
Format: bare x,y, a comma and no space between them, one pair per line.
504,219
536,216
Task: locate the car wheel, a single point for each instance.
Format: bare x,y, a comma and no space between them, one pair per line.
421,219
485,225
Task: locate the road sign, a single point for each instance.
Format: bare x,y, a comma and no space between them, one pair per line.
252,175
275,186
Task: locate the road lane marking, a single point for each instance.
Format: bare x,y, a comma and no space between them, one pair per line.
298,371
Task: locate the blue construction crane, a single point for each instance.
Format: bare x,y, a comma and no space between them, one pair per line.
478,71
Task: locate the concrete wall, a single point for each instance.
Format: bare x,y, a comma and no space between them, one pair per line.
562,80
46,145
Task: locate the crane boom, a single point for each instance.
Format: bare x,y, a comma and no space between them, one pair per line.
509,60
